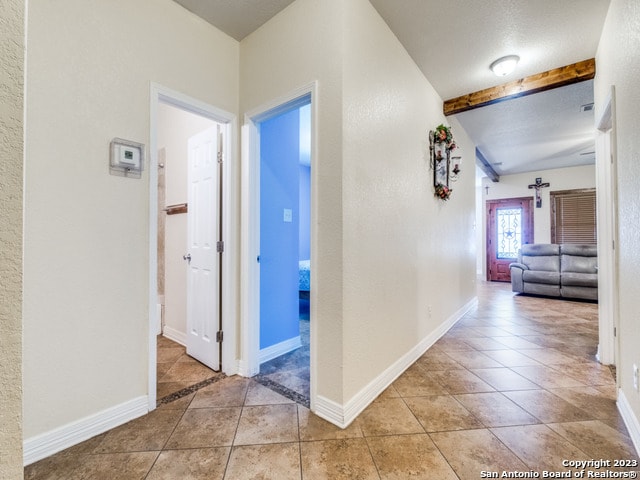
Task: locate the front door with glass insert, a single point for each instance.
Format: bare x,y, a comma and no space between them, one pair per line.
509,226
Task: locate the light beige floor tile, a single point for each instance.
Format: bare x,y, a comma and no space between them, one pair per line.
388,417
229,392
313,427
446,344
516,342
462,381
547,377
601,405
434,360
597,439
179,404
277,461
268,424
170,355
188,371
146,433
503,379
550,356
346,459
388,392
192,464
485,343
412,384
442,413
493,409
474,359
471,452
130,466
539,446
511,358
587,373
400,457
548,407
168,388
260,395
205,427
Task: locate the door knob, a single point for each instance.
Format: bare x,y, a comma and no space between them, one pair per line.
187,257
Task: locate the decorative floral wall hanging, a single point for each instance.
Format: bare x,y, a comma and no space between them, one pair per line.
441,144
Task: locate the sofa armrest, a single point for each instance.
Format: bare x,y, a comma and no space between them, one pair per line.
521,266
517,269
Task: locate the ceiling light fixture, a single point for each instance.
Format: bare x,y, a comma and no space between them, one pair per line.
505,65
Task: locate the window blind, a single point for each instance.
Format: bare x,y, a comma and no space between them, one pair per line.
573,217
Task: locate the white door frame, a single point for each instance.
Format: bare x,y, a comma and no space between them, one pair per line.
606,177
250,285
160,94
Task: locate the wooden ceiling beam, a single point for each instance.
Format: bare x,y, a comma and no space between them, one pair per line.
486,167
558,77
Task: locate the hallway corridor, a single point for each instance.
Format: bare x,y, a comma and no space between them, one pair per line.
514,386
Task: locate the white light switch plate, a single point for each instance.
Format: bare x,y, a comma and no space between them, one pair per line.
287,215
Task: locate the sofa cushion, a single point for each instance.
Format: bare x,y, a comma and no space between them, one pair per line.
537,249
580,279
545,263
578,264
542,289
542,256
580,250
538,276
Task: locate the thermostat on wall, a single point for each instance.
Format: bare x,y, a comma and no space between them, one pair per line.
126,159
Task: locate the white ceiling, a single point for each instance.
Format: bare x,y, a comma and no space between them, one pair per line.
454,41
237,18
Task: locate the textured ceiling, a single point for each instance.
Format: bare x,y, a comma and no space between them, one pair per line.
453,42
237,18
547,129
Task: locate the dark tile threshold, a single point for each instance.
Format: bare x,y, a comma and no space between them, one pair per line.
282,390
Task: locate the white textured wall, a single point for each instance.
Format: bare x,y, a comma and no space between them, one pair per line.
618,63
403,249
302,44
512,186
175,127
12,37
86,232
386,249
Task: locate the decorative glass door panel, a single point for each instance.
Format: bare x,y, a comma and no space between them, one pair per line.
509,226
509,230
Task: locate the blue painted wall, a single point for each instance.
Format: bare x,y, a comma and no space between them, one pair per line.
304,243
279,190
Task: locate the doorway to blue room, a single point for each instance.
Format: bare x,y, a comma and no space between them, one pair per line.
285,252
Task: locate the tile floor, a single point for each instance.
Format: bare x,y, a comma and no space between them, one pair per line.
513,386
178,373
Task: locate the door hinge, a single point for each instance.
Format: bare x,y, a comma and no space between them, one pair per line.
615,332
220,247
220,156
219,336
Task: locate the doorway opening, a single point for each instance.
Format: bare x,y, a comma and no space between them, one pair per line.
285,252
279,247
191,218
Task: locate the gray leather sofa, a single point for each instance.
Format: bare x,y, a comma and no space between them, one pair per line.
569,271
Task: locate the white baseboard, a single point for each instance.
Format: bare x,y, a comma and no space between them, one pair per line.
46,444
278,349
342,416
630,420
175,335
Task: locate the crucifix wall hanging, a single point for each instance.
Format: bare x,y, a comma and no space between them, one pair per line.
538,185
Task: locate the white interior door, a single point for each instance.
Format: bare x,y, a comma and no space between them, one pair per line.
203,226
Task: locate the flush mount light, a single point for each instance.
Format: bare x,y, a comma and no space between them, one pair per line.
505,65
